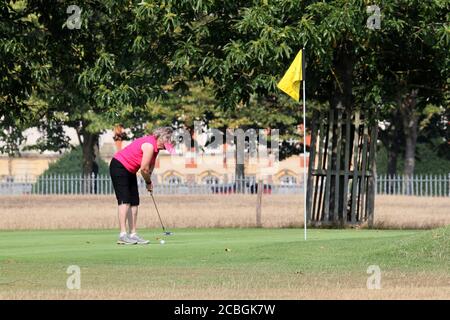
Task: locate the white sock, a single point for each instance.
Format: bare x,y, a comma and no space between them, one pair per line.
132,234
122,234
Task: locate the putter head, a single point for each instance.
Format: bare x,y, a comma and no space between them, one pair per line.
168,233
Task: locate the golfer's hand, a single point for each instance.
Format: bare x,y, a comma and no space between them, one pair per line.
150,187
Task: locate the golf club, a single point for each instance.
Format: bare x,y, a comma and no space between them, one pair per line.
167,233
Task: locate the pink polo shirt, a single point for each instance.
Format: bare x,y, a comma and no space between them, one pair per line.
131,156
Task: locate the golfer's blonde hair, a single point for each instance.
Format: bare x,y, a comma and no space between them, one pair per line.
163,133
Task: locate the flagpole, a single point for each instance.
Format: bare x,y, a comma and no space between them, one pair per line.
304,140
290,84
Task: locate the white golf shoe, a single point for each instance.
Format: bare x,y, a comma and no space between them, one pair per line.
138,239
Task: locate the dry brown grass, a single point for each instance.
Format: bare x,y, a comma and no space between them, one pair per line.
411,212
227,294
395,285
98,212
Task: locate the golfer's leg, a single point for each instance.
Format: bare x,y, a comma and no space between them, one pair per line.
132,220
133,234
134,202
123,212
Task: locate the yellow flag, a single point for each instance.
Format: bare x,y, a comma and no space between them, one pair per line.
290,83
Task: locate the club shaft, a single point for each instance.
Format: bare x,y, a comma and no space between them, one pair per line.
157,211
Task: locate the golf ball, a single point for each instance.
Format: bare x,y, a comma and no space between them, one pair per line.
162,241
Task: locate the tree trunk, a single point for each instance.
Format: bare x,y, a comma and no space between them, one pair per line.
89,152
341,98
410,123
89,143
341,90
392,142
392,138
10,160
392,160
410,151
393,152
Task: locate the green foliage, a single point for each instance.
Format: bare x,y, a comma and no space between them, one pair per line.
69,169
428,160
23,65
72,163
182,105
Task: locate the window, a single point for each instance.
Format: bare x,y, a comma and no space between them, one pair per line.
288,180
210,180
173,179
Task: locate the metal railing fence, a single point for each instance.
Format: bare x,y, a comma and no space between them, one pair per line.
417,185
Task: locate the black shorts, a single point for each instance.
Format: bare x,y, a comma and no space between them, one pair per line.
124,183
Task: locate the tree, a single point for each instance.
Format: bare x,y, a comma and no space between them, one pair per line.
413,63
115,67
213,45
185,104
391,136
244,48
24,65
97,75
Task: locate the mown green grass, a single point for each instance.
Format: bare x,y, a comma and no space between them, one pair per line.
196,258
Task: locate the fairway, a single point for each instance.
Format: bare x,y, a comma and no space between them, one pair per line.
227,264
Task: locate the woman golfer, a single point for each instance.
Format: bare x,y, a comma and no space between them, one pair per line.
140,154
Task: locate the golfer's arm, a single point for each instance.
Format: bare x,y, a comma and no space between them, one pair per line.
147,175
146,168
152,166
